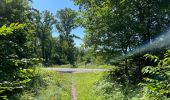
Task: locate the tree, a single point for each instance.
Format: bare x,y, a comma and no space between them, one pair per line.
43,24
14,11
118,27
66,22
15,51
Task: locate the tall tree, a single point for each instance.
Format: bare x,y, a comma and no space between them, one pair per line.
66,22
119,26
15,50
123,24
43,23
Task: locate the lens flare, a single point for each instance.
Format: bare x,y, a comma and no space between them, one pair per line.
159,42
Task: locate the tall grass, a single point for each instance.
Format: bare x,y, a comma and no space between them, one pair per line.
95,86
113,91
46,85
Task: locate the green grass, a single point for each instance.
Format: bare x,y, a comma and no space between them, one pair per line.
85,85
47,85
51,85
59,90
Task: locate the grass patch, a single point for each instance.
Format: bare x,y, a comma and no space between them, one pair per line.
85,84
59,90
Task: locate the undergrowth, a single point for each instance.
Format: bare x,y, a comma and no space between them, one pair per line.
46,85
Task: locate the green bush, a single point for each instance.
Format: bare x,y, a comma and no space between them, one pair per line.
15,69
157,78
45,85
111,90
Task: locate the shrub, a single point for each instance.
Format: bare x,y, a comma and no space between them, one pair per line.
157,78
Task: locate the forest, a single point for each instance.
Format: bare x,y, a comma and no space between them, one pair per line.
128,38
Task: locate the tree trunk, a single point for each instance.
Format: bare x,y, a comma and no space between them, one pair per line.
126,66
139,74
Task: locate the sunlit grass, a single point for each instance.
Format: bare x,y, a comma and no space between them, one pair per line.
85,85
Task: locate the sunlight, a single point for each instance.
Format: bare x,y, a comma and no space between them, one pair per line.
159,42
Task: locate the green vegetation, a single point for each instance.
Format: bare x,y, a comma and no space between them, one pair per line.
46,85
26,40
158,78
119,35
84,83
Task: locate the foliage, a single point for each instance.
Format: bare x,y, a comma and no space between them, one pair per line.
156,78
45,85
113,28
4,30
66,22
26,39
116,27
42,23
15,51
14,11
15,70
124,25
109,88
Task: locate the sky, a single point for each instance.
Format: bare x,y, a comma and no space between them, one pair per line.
55,5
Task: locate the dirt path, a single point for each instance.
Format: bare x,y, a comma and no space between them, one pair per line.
73,92
77,70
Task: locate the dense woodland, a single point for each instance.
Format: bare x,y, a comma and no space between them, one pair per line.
113,29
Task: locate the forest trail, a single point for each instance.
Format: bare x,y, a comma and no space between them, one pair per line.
73,92
77,70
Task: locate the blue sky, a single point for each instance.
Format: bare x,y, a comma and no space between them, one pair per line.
53,6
